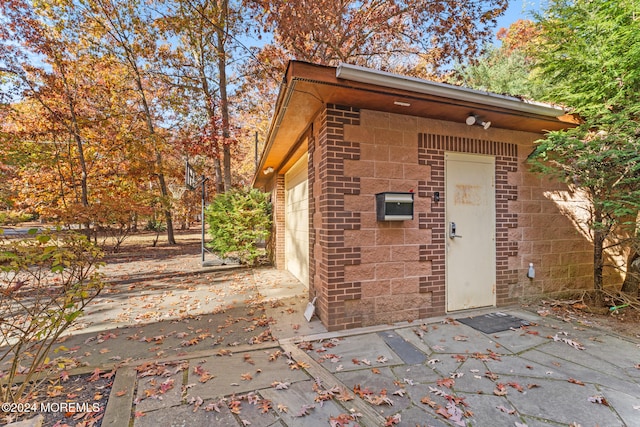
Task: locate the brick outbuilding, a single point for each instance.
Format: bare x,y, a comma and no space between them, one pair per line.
397,198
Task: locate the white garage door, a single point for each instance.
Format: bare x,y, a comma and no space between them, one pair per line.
296,240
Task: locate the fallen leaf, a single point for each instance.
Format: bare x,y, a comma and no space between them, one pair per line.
202,373
375,371
299,365
246,377
166,385
378,400
392,420
213,406
516,386
95,376
598,399
357,389
235,406
275,355
304,410
442,411
427,401
492,376
567,341
505,410
446,382
54,391
265,406
437,391
500,390
280,385
342,420
575,381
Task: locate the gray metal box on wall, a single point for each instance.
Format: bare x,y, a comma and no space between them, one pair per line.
394,206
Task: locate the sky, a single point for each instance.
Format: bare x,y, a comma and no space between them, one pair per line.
519,9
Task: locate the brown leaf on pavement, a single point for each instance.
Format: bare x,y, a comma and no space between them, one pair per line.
446,382
500,390
427,401
95,376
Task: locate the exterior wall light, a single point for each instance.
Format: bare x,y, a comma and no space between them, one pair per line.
472,119
267,171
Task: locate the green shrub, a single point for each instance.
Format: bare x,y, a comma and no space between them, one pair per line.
238,220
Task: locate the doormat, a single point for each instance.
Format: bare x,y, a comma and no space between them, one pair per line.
494,322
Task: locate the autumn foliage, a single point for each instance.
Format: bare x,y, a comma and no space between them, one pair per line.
46,281
102,101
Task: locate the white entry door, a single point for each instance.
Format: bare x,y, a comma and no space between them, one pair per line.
470,231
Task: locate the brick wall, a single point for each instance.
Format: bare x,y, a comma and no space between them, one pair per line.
329,255
367,272
552,235
277,201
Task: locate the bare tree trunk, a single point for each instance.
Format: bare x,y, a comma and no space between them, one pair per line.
159,164
599,236
78,140
631,284
224,100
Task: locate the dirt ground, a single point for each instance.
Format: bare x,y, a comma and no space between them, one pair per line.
624,321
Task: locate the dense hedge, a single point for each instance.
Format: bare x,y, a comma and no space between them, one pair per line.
238,220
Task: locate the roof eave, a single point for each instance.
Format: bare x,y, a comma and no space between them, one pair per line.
395,81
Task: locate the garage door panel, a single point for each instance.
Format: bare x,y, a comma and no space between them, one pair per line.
297,221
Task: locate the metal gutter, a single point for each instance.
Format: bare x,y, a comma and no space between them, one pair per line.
413,84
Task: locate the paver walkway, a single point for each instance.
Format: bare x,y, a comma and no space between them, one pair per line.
436,372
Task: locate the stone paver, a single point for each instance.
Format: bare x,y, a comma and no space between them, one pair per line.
434,372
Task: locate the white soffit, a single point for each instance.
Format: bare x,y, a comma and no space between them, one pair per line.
413,84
